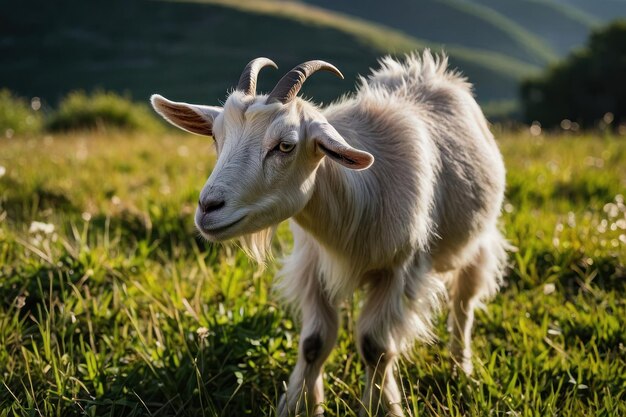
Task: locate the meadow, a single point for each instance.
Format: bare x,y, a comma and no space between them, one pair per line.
110,304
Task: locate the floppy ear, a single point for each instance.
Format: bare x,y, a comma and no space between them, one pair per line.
190,117
333,145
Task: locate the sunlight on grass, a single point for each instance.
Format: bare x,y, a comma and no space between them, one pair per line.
113,306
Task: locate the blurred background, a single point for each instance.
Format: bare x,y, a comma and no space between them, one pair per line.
194,50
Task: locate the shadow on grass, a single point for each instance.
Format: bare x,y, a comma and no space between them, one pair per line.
21,204
234,369
574,270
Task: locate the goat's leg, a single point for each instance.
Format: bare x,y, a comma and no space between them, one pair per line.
320,323
461,319
381,317
473,281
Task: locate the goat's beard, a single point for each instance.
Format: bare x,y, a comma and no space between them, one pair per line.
257,245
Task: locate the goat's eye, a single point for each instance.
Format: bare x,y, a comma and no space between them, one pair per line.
286,147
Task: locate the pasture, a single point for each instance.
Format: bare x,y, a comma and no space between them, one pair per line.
112,306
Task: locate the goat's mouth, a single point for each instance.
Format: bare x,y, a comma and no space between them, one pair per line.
215,231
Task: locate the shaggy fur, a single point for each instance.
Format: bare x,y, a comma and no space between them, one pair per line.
421,220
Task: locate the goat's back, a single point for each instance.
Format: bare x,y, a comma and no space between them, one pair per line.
438,178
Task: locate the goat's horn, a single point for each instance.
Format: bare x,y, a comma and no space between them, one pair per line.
289,86
247,81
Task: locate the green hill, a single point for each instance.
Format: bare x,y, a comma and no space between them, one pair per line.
451,22
604,10
195,50
561,26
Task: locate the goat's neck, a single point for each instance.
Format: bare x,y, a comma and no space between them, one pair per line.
336,208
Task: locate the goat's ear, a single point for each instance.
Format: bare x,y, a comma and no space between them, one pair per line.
334,146
190,117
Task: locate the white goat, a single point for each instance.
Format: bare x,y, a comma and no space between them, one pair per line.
421,218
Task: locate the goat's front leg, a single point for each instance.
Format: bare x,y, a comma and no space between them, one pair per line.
380,319
320,322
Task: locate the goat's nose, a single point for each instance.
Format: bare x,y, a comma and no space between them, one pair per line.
209,205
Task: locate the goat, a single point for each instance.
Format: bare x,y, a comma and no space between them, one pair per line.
418,223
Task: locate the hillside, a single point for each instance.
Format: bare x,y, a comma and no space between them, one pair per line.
561,26
604,10
451,22
195,50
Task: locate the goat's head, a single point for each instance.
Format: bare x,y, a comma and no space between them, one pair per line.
268,147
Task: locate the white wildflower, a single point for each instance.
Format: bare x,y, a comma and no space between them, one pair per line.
183,151
202,332
40,227
549,288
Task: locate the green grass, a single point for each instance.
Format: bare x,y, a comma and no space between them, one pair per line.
98,110
120,310
17,116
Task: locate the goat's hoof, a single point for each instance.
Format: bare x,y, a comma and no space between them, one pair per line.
464,365
287,410
394,410
381,413
318,410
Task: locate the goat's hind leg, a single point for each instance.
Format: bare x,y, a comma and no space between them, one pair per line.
477,280
320,323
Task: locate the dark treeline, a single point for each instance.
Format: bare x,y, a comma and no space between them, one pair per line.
588,88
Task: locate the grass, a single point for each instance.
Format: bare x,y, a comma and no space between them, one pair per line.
18,116
120,310
77,111
81,111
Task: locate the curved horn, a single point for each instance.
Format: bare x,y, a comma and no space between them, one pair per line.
289,86
247,81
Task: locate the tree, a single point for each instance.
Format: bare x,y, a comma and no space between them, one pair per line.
583,88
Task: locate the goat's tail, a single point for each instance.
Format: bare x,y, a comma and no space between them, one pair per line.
494,263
